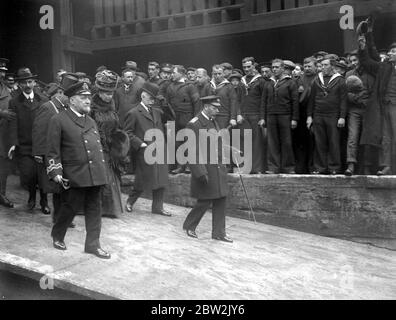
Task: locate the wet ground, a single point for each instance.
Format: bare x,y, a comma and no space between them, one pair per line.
152,258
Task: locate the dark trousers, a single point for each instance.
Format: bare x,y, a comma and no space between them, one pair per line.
280,148
182,118
158,198
355,122
80,199
218,218
4,171
327,144
251,122
303,146
30,177
388,145
56,202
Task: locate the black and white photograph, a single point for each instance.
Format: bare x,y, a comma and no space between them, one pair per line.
197,155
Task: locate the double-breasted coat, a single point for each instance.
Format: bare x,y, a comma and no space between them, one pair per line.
75,151
216,174
137,122
41,122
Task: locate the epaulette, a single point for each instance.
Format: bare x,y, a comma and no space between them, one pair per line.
194,119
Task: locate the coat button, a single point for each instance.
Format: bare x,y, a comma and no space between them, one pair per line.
97,141
88,151
103,161
90,161
86,141
101,150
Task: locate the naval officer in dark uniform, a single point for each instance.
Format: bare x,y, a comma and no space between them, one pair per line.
75,160
208,181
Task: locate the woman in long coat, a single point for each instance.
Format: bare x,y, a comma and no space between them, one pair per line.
104,113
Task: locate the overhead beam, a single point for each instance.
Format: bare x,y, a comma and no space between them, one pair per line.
265,21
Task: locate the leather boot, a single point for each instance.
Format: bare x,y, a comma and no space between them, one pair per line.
350,170
384,171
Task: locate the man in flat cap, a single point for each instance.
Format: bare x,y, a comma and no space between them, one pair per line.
150,177
289,66
320,55
191,74
5,117
166,77
25,105
356,111
11,84
208,179
228,69
265,70
76,162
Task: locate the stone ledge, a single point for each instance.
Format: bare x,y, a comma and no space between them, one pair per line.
339,206
61,279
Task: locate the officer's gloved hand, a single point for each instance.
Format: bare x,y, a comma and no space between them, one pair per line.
203,179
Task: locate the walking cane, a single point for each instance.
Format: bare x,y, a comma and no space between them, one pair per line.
251,212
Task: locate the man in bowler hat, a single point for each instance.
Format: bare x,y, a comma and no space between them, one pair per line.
150,177
25,106
208,181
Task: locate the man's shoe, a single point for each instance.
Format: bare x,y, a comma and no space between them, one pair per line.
99,252
5,202
269,172
191,233
385,171
350,170
128,207
60,245
224,238
162,213
46,210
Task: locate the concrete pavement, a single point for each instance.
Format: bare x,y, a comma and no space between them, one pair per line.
152,258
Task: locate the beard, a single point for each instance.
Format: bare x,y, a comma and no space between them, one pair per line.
86,109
